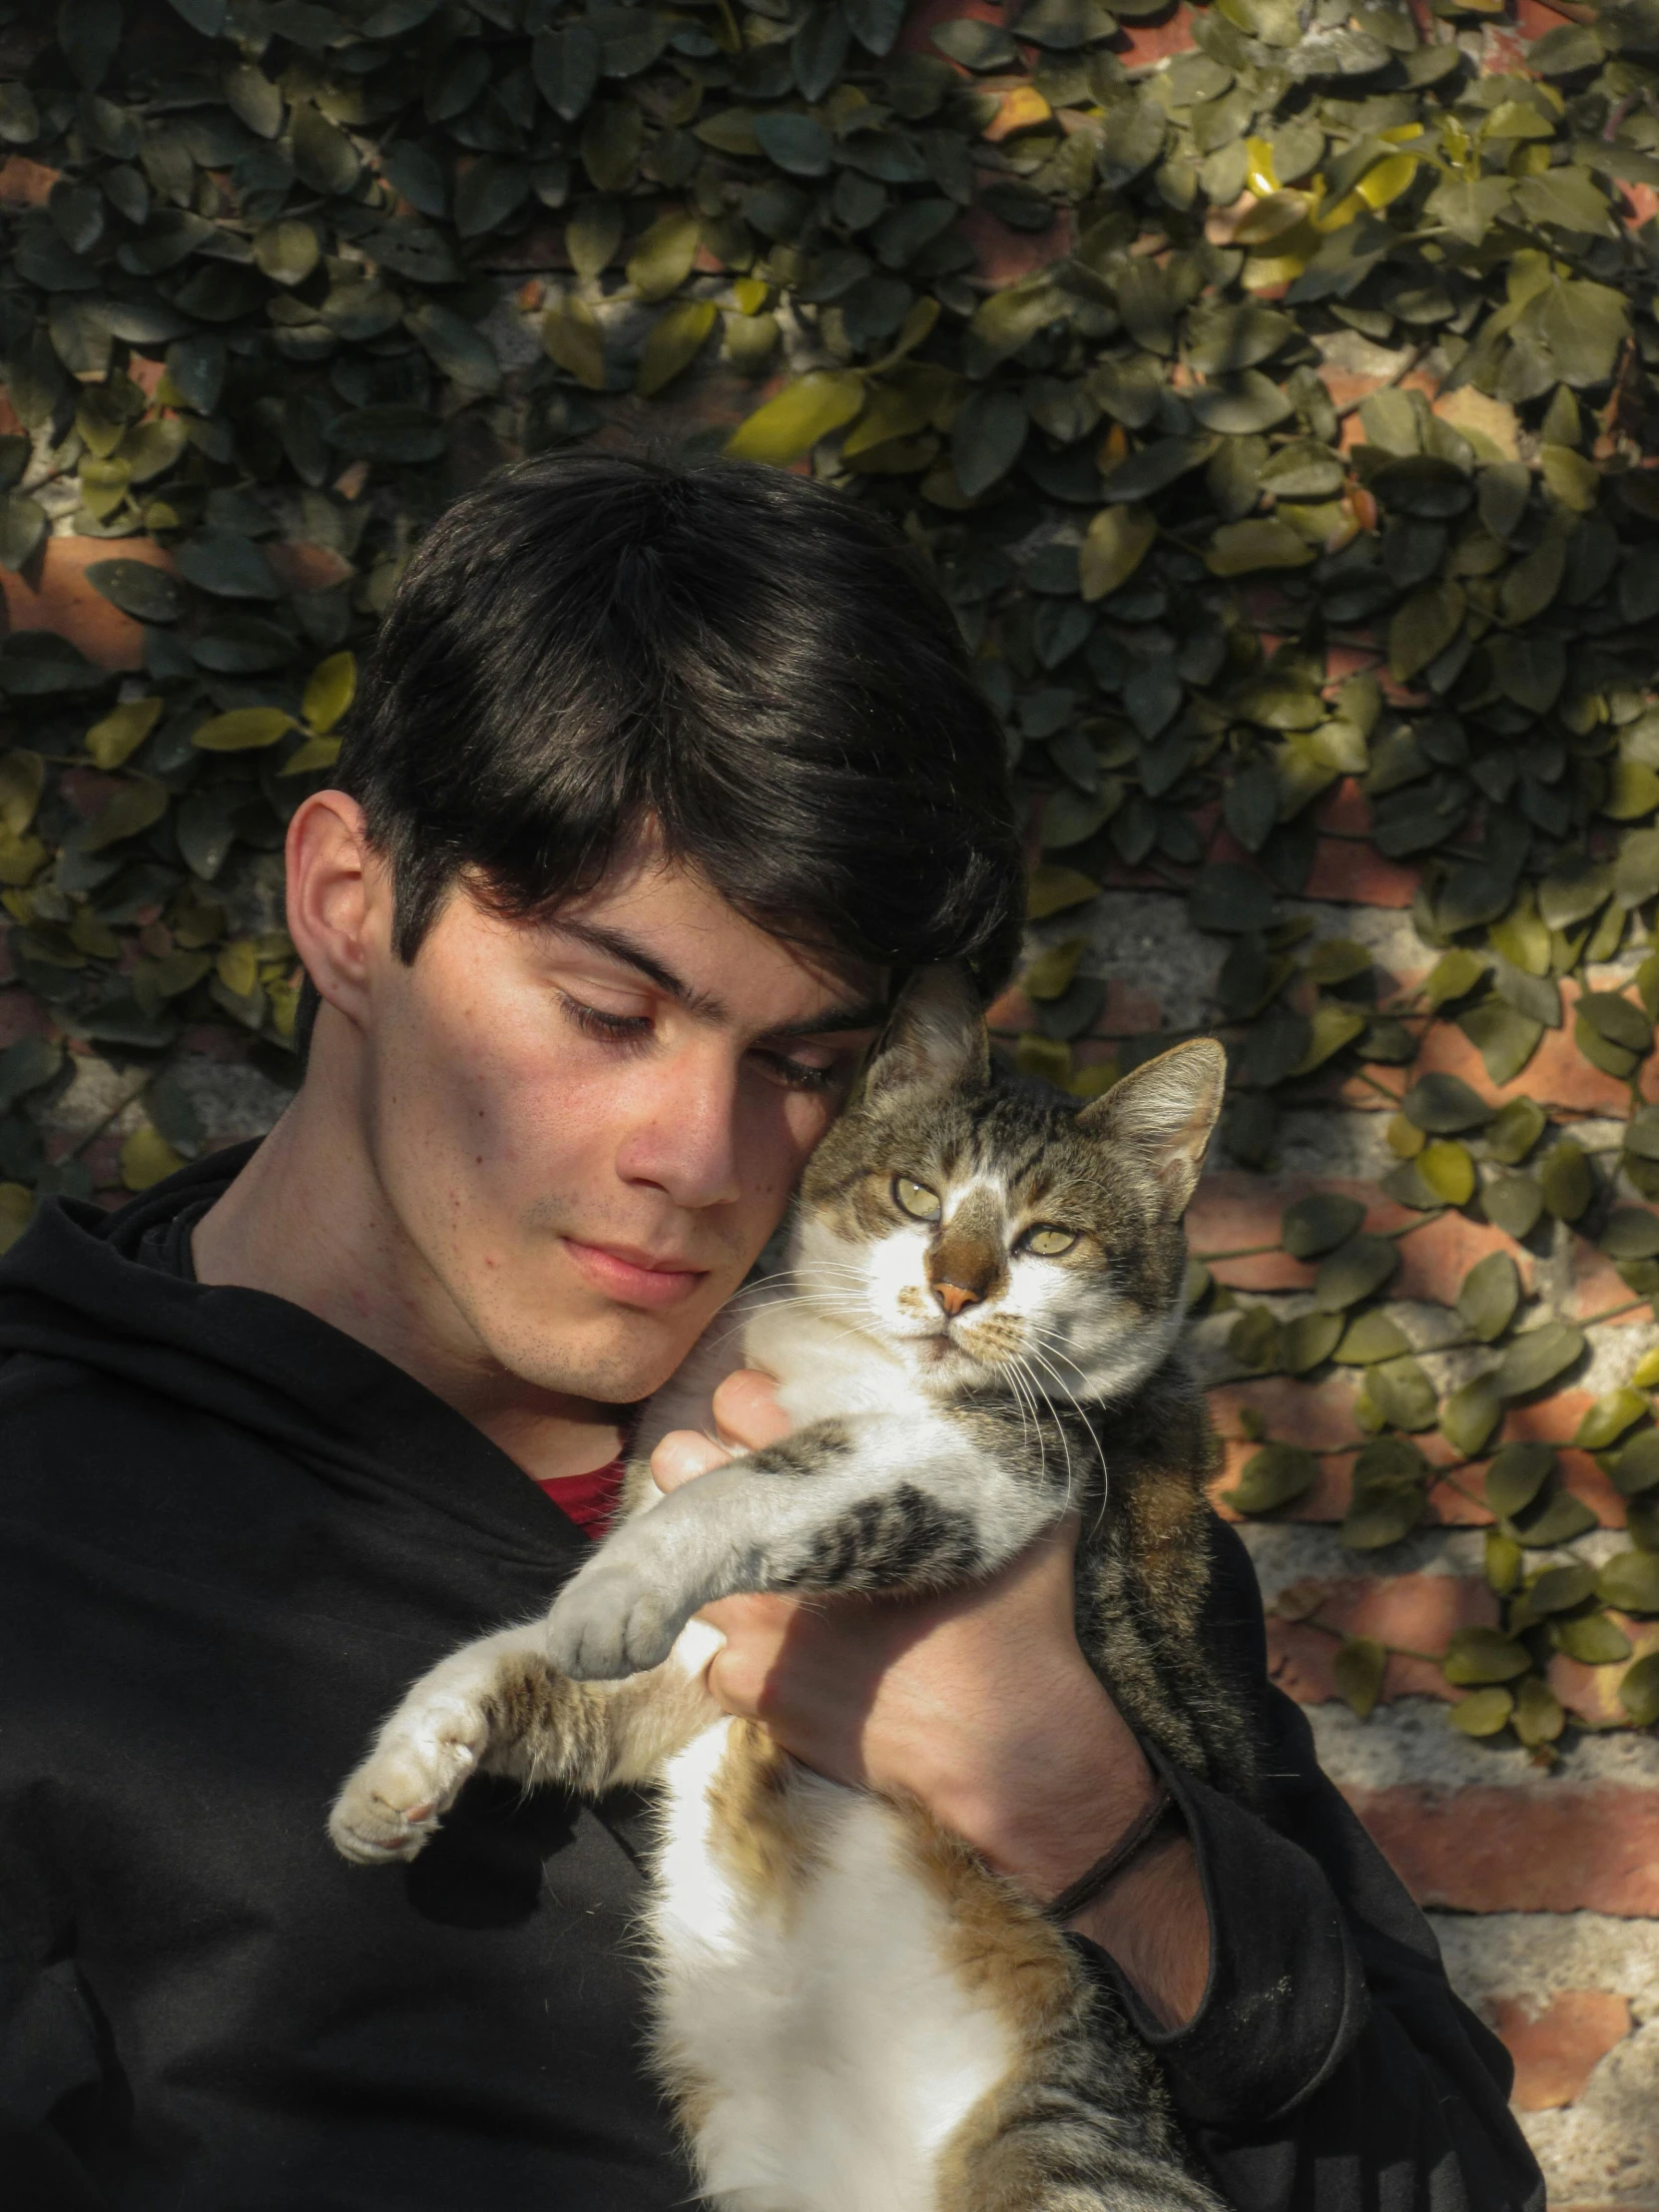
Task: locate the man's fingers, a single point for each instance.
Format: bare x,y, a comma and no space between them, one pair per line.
747,1410
683,1455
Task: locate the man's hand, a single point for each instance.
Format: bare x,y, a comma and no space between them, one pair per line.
978,1702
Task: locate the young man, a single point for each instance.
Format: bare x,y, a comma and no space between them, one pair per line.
658,783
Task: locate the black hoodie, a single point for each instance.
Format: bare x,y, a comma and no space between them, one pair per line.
229,1537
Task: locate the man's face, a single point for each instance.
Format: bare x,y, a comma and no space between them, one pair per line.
588,1128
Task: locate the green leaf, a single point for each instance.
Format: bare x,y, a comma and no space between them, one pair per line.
1368,1339
115,737
1512,1203
663,255
1357,1671
572,338
1402,1394
976,45
804,413
1307,1340
1505,1038
228,565
1629,1582
1354,1271
987,438
1516,1130
138,588
1482,1713
1446,1106
1537,1358
1489,1296
1575,888
455,349
1316,1224
1566,198
1483,1655
1238,406
1243,548
1636,1469
1424,625
22,526
133,808
1516,1476
565,64
324,156
1470,1416
1639,1691
1565,1180
1631,1233
1273,1478
393,433
1593,1640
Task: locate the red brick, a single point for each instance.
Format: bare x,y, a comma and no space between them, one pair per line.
1005,255
1146,43
1556,2050
53,594
302,567
1554,1849
1557,1075
1435,1259
1415,1612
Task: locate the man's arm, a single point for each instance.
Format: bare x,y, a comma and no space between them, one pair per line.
1292,1988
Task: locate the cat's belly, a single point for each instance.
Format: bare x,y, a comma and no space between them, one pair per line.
814,2010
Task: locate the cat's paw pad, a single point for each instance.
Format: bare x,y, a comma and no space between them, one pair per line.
611,1623
394,1801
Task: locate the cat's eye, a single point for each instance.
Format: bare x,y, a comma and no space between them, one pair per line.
1049,1242
915,1199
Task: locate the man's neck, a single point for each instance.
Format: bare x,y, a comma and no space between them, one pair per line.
307,1220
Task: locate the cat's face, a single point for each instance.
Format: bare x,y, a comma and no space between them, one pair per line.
991,1233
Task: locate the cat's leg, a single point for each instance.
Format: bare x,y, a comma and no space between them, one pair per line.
495,1706
866,1502
1090,2128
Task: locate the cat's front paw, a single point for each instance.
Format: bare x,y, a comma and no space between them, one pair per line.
397,1796
611,1621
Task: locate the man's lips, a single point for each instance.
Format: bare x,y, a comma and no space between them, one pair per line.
635,1277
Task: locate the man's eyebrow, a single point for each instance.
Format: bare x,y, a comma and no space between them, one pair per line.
871,1014
616,944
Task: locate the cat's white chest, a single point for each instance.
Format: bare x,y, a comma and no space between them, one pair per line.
830,2046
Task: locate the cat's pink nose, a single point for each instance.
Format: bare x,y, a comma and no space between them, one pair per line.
954,1296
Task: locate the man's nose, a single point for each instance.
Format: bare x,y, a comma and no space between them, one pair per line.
685,1138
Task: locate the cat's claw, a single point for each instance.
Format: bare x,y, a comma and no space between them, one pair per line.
391,1806
610,1622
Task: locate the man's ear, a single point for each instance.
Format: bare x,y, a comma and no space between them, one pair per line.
936,1036
1165,1110
332,892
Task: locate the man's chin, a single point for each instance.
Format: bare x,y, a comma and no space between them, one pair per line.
617,1360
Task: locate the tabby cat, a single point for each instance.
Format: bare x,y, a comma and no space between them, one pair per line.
976,1328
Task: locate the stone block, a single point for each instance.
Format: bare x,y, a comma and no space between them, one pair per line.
1557,2049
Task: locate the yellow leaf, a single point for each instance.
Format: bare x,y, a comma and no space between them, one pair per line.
749,294
315,754
573,339
1570,477
1050,890
1050,974
122,732
1387,180
243,729
1272,217
673,343
1646,1376
237,966
1259,175
1118,540
1240,548
17,1203
663,255
792,423
22,780
330,689
145,1158
1633,790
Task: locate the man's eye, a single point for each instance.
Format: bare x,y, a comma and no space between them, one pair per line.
593,1021
915,1199
1047,1241
797,1075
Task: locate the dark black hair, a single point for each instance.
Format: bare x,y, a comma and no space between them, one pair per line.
590,640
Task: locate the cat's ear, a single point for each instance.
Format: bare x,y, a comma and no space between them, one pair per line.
936,1037
1165,1110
